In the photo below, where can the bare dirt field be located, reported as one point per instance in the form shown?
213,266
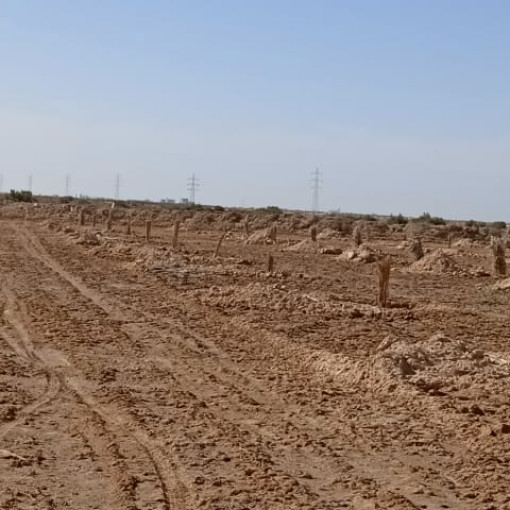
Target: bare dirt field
172,374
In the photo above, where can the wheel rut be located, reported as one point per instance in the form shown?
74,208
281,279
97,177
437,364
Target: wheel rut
112,437
195,345
15,335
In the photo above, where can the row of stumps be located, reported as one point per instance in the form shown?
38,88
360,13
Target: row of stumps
148,226
383,265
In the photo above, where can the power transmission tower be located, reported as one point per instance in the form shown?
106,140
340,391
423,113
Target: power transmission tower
117,187
68,184
193,186
316,186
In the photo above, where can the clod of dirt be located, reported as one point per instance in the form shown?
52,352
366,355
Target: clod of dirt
6,454
502,284
328,233
362,254
466,242
331,250
89,239
304,246
260,237
438,261
479,272
8,413
152,259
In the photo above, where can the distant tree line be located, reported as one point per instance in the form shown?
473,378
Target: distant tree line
21,196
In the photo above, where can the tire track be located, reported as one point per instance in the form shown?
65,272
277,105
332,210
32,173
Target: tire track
22,344
104,432
240,415
196,345
174,493
18,340
119,422
227,419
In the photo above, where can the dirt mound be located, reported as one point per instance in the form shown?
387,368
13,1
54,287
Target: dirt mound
438,261
263,236
331,250
362,254
304,246
153,259
429,365
328,233
278,297
466,242
90,239
439,362
202,220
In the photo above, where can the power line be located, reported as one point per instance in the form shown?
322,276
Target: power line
193,186
316,186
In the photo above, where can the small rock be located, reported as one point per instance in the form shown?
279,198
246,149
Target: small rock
199,480
477,411
487,431
355,313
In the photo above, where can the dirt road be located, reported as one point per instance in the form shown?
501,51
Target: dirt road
121,389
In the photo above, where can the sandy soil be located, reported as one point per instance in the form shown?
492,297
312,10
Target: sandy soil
136,376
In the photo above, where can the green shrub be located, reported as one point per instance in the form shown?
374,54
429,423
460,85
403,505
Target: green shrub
498,225
272,209
433,220
21,196
397,220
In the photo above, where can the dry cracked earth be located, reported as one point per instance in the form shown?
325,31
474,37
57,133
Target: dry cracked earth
136,377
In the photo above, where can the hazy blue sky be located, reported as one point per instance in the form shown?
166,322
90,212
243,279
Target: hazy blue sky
404,105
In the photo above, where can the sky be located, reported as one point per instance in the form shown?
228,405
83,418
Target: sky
403,105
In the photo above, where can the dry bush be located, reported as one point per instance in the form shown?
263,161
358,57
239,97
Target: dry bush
313,233
498,250
109,220
218,246
368,232
148,229
416,248
82,217
247,228
384,269
357,238
270,263
175,235
271,233
128,227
